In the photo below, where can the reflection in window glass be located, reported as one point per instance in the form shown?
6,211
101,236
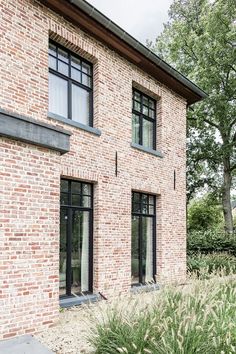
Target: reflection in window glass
144,120
75,239
143,238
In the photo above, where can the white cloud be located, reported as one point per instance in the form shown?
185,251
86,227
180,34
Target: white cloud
142,19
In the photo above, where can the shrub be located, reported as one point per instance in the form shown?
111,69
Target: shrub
203,265
200,319
204,214
210,241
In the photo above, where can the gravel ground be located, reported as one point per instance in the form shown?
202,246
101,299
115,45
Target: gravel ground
75,325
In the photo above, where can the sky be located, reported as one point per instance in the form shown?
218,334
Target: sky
142,19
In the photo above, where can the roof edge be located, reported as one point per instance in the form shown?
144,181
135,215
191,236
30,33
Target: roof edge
92,21
125,36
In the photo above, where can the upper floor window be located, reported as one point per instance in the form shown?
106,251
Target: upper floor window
70,85
144,120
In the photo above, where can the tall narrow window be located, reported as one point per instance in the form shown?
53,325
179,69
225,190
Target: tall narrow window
75,238
143,245
70,85
144,120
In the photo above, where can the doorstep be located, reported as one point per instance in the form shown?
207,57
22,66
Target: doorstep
26,344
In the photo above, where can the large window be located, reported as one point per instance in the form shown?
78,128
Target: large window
75,238
144,120
143,245
70,85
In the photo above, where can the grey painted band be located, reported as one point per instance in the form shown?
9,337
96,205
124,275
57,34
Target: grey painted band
29,130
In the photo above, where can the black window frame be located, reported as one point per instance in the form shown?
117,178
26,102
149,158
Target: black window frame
69,208
143,116
140,214
71,81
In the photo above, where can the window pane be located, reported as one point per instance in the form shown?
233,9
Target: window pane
147,249
63,255
64,199
76,63
145,110
86,80
52,62
145,198
80,105
135,250
64,185
145,208
151,104
136,197
86,189
52,49
137,96
62,55
76,200
137,106
86,202
151,199
151,209
58,95
76,74
136,208
135,129
76,187
145,100
80,252
151,113
86,68
148,134
63,68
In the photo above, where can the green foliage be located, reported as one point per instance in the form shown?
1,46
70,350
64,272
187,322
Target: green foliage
200,319
210,241
199,40
204,264
204,214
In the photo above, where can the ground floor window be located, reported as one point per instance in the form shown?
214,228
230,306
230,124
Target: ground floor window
76,238
143,245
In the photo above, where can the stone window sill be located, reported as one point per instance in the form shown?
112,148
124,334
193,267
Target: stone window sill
137,289
78,300
147,150
87,128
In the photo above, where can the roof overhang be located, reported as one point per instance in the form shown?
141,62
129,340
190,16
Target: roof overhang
90,20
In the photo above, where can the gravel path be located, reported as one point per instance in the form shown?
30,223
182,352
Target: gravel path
75,325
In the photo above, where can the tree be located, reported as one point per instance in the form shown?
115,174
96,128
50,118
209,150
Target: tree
204,214
200,41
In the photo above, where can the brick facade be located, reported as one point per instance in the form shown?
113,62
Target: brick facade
30,175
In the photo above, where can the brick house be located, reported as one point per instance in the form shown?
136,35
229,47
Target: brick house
92,163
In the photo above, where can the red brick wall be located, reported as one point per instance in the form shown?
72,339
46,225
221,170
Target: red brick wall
29,187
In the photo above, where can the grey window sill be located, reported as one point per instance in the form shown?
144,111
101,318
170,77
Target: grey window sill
147,150
144,288
78,300
75,124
